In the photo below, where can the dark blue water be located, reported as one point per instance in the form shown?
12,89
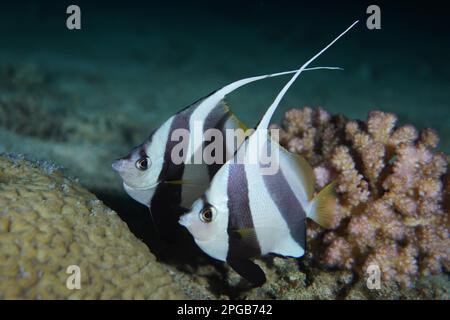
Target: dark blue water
135,63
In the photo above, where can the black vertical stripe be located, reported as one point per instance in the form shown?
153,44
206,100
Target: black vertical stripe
288,205
216,119
169,195
165,203
240,216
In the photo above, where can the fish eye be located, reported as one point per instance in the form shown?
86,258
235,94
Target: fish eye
143,163
206,215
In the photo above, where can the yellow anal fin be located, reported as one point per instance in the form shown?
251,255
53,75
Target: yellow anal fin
324,207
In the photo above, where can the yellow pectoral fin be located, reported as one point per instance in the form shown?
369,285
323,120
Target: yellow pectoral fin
247,235
179,182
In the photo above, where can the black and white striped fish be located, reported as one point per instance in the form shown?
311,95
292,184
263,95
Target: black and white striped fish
246,212
151,177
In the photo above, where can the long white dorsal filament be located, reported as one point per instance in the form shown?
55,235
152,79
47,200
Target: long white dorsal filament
221,93
264,123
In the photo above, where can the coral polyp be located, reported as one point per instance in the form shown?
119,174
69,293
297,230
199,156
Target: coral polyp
393,187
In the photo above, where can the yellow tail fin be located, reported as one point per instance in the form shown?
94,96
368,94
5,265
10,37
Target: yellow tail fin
323,209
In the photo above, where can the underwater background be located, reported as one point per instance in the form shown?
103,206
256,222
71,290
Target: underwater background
82,98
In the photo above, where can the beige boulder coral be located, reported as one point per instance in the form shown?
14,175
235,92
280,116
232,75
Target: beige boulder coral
49,222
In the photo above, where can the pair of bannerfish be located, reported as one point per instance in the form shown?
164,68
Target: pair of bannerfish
234,211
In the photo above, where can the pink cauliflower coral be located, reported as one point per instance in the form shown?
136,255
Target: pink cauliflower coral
393,189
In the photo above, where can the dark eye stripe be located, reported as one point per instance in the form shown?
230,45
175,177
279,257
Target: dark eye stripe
142,153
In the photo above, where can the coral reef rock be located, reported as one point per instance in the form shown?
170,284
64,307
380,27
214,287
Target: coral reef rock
393,189
49,222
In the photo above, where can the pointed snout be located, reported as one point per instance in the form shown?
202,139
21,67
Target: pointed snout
118,165
184,220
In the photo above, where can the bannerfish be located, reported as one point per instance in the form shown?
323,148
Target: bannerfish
151,177
246,213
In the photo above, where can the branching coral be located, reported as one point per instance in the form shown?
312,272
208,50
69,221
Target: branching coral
393,189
